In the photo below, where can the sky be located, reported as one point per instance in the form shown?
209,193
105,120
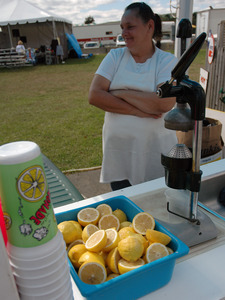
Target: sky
111,10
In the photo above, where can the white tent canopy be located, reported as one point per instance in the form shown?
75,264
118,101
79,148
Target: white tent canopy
21,12
36,27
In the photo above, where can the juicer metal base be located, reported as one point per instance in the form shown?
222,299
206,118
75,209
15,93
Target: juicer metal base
192,233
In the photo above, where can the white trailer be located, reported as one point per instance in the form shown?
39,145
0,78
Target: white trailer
106,33
208,20
168,31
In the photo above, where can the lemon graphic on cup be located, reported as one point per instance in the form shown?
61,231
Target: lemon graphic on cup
7,220
31,184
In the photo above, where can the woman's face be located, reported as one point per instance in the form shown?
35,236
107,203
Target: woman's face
135,32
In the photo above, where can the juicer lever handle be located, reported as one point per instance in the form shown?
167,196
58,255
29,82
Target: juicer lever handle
188,57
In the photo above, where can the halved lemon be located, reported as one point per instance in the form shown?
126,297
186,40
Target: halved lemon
109,221
111,276
104,209
143,221
74,243
169,250
88,215
92,273
31,184
156,251
112,239
155,236
125,266
88,231
113,259
97,241
125,224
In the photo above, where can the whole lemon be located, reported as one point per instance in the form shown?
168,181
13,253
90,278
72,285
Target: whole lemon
143,240
120,215
130,248
75,253
125,232
70,231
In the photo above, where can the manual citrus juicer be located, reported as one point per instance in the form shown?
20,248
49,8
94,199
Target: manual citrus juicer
182,168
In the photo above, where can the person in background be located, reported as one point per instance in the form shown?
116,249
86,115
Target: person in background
59,52
20,49
30,56
125,86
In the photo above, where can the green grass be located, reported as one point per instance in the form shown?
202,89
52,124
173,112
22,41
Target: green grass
199,62
49,105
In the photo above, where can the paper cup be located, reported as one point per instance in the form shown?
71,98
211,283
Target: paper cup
26,204
38,264
35,253
45,279
66,293
38,272
47,291
39,261
50,282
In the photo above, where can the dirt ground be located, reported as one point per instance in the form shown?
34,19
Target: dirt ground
87,183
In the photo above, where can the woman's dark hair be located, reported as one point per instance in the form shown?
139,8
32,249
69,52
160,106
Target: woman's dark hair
158,31
158,26
143,11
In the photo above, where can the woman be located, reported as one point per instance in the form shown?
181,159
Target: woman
20,49
125,86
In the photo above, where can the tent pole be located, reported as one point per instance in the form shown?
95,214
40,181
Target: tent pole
10,37
54,30
184,10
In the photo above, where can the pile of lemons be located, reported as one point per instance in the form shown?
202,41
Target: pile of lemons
103,244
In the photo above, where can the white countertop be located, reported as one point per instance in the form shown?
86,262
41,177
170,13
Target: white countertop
200,275
197,277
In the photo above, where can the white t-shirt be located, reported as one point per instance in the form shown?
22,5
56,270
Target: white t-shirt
20,49
132,146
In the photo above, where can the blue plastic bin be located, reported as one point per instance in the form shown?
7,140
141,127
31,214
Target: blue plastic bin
136,283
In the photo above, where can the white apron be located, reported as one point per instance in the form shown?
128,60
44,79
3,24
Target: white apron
132,146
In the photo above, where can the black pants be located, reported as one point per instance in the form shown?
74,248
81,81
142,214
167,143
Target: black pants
118,185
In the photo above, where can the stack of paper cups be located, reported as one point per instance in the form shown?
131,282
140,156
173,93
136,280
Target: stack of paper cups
36,249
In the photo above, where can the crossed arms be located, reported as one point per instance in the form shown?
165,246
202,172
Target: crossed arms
128,102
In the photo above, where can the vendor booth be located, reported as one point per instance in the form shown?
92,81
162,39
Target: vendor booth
20,20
